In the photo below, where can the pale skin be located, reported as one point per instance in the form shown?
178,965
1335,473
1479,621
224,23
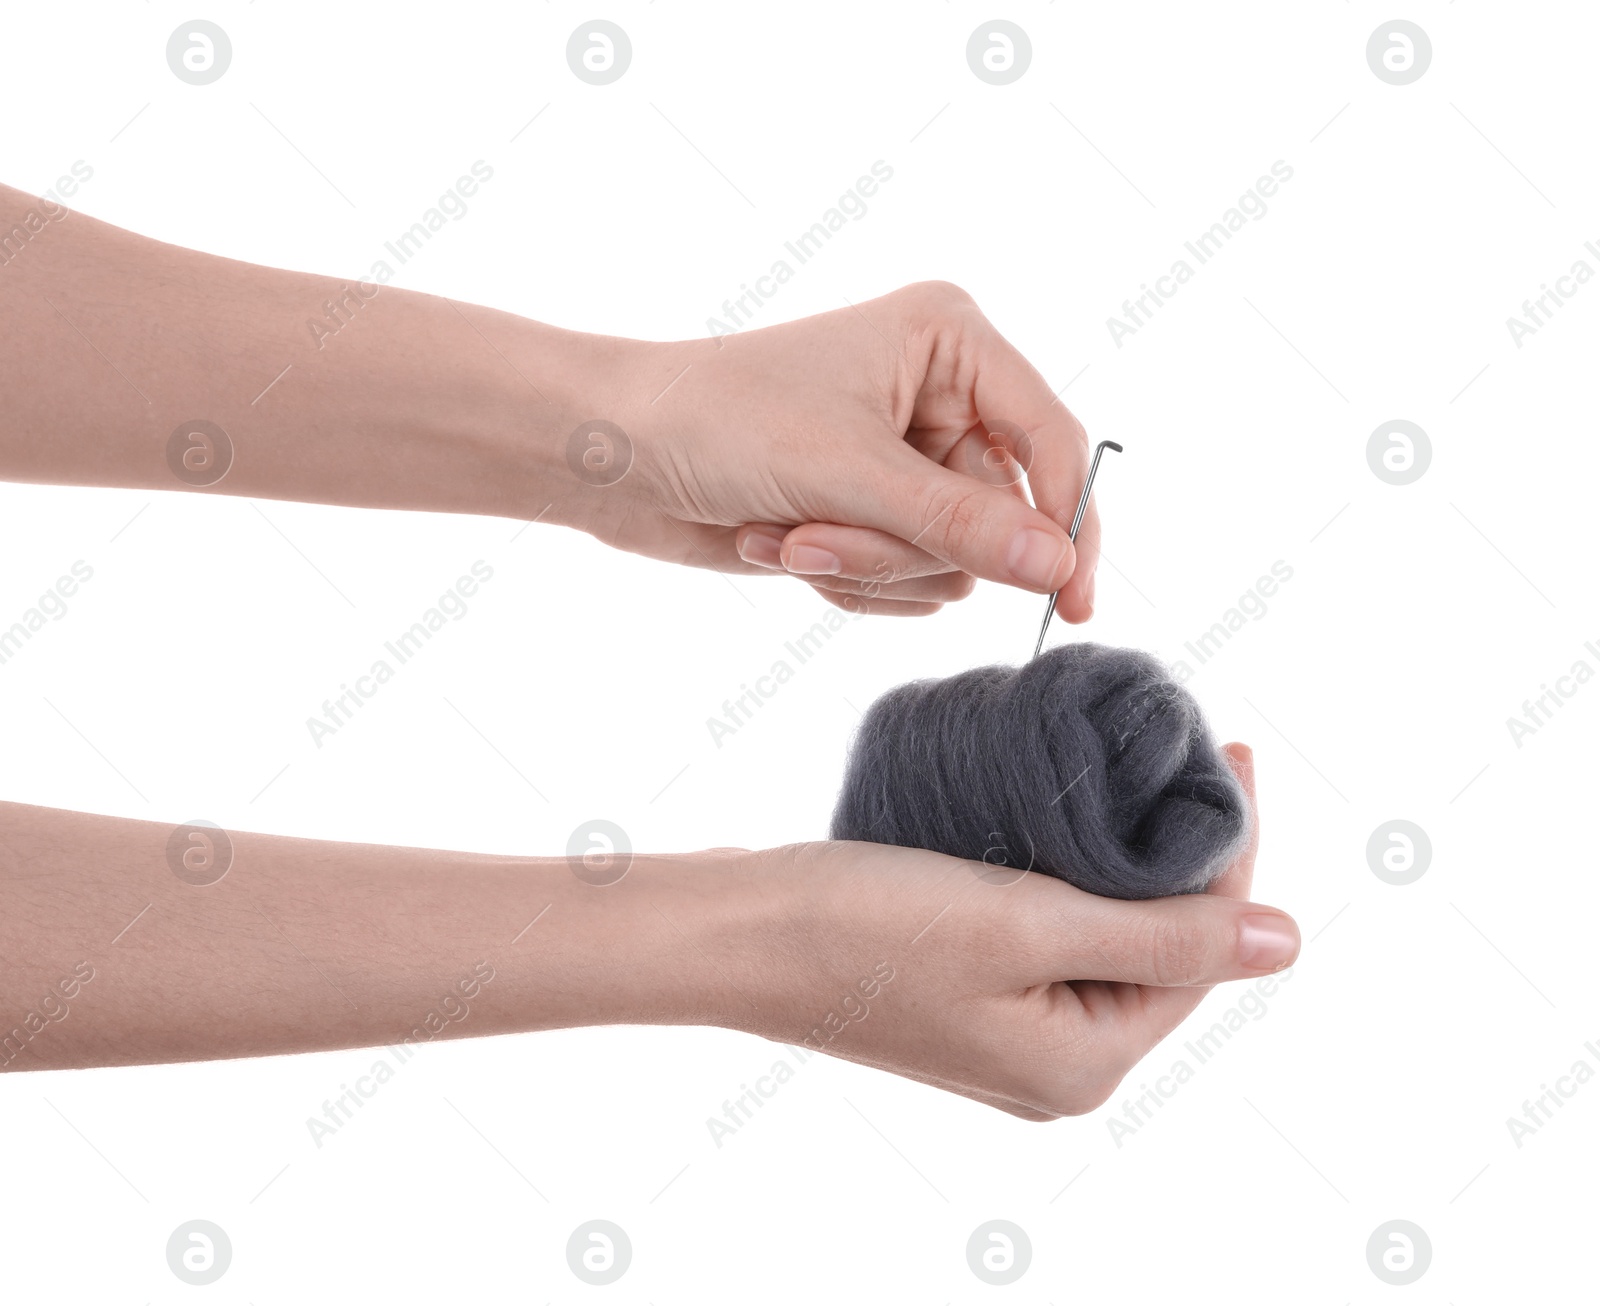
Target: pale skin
879,453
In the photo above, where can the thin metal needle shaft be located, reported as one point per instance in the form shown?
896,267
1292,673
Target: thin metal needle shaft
1072,533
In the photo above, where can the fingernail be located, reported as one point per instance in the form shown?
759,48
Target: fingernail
1267,943
1035,557
761,549
809,560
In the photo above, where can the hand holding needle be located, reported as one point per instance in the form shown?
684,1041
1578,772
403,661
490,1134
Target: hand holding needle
1072,533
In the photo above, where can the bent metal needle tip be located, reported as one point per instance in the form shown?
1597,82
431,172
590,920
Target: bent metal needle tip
1072,533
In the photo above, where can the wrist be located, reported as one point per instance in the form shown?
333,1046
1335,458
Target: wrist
680,939
556,436
711,926
749,938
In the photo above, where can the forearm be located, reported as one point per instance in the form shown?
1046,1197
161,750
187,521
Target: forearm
328,390
108,957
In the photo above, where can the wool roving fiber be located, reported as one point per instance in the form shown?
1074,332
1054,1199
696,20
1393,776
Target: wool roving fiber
1088,763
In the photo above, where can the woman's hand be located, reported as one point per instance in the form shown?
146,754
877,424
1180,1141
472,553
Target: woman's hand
1008,987
878,452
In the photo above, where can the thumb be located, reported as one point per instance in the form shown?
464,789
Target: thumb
1184,942
978,528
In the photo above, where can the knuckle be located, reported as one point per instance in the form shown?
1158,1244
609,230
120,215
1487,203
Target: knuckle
1076,1091
944,293
858,605
1177,952
1071,1076
960,585
1092,1092
960,518
887,574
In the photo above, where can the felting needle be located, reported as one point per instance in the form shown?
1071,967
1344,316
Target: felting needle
1072,534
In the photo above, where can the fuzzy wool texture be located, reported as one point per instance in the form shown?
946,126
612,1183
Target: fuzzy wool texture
1089,763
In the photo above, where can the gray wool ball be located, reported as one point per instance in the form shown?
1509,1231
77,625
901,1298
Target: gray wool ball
1088,763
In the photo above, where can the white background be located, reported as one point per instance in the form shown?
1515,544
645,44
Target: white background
1378,1082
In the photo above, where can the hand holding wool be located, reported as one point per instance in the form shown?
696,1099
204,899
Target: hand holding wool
1089,763
1019,991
